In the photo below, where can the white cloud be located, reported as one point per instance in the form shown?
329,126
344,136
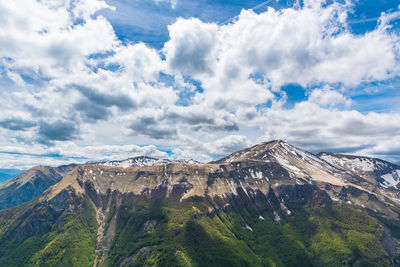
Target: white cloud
327,97
211,90
315,127
209,151
137,61
16,78
43,38
304,46
191,49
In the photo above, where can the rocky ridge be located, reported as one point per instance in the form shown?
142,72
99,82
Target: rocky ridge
256,169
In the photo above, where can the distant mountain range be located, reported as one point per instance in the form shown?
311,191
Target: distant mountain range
6,174
268,205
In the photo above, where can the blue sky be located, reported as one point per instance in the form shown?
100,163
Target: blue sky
92,79
147,21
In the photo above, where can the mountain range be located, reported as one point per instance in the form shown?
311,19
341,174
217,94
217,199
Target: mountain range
268,205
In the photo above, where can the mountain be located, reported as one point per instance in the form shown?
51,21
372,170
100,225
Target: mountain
269,205
300,166
30,184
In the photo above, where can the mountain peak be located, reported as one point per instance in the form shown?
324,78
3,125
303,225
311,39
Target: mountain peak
263,152
301,165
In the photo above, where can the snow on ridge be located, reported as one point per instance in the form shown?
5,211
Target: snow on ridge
299,161
140,162
354,163
390,174
303,154
266,150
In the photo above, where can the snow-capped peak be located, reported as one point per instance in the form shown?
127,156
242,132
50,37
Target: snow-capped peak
299,163
275,149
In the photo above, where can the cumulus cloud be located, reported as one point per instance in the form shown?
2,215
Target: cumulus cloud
91,112
152,127
199,118
212,89
191,48
329,98
209,151
106,99
304,46
42,37
137,61
60,130
16,124
315,127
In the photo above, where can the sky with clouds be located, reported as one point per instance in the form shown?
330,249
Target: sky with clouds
86,80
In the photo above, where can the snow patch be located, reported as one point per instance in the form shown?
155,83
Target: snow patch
277,218
354,164
391,179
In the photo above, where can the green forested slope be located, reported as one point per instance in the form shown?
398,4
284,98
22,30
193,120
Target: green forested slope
48,234
154,232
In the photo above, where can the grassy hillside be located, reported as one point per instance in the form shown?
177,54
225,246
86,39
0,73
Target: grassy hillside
187,235
62,232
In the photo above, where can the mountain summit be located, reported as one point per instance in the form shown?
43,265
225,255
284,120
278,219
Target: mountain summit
271,204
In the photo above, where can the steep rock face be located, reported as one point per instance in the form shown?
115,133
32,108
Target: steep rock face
60,231
172,180
36,224
30,184
306,194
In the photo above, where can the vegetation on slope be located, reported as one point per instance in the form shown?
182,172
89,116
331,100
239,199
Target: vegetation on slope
150,232
37,235
187,235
